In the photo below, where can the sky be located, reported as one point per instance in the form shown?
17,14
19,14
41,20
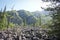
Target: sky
29,5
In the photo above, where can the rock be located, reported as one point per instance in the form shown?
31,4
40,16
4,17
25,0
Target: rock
29,33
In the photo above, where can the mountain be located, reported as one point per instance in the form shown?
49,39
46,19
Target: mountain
43,15
27,16
14,18
37,13
21,16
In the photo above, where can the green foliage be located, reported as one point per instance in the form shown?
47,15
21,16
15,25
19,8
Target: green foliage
4,21
14,16
11,25
24,22
56,21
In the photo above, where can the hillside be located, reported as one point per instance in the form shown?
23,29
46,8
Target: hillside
29,18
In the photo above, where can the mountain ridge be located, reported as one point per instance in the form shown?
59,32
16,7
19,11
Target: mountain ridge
23,15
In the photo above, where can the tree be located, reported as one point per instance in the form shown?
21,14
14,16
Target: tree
24,22
3,19
55,17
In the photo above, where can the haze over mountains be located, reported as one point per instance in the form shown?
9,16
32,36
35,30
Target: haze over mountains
28,17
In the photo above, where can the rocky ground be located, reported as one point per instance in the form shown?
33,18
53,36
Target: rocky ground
29,33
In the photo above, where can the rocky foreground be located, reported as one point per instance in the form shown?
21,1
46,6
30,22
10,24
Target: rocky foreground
33,33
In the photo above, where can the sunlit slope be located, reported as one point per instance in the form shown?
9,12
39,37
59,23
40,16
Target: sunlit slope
18,17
